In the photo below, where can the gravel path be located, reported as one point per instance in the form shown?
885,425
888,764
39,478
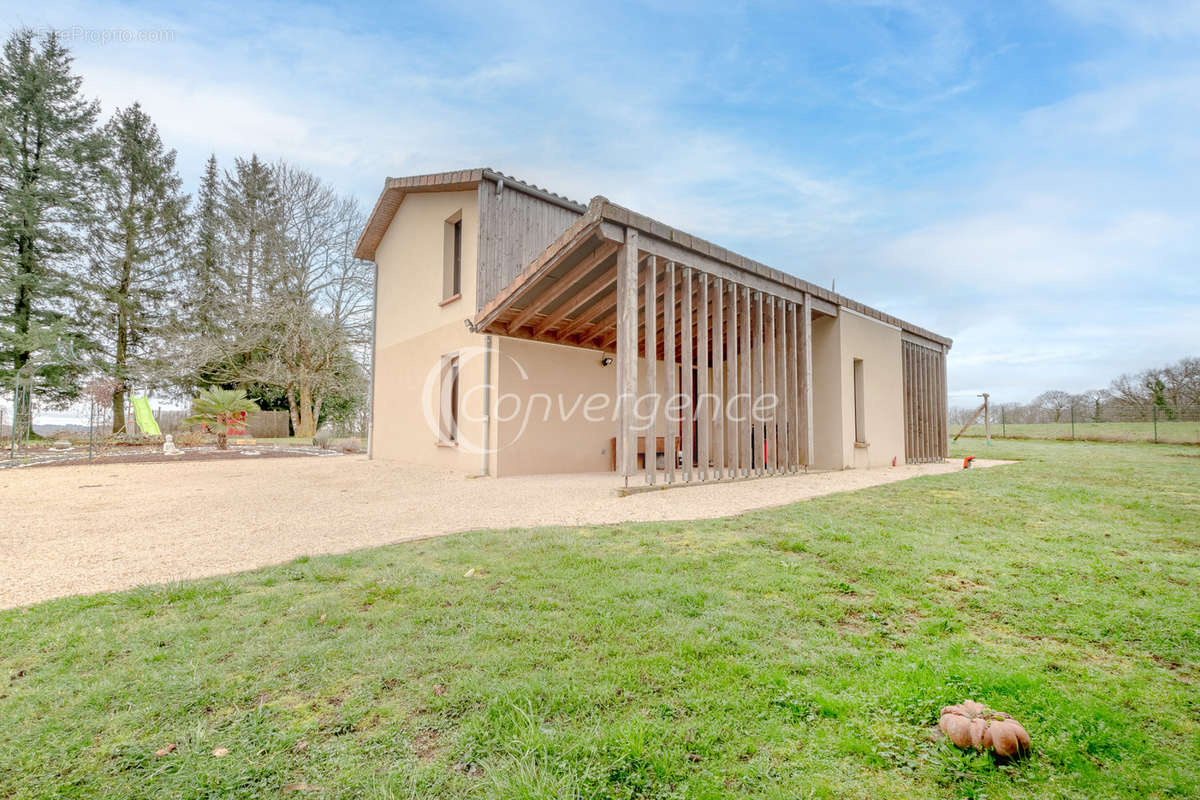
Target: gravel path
84,529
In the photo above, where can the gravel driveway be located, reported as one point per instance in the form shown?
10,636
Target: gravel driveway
84,529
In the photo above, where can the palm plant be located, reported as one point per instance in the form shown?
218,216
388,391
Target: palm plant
221,410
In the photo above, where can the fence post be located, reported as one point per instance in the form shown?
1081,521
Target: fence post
1003,429
1155,409
1072,423
12,433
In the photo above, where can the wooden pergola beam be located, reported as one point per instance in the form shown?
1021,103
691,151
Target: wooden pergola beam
687,344
731,380
718,376
703,411
582,295
672,369
651,345
806,377
627,285
745,449
561,286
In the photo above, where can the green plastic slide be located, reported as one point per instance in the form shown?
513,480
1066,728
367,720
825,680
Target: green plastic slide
145,419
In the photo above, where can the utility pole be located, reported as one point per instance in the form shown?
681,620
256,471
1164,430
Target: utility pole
987,419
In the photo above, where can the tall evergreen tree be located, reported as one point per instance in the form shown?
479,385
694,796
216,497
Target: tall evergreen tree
49,160
208,281
250,202
136,248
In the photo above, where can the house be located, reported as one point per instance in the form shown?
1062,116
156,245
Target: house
519,332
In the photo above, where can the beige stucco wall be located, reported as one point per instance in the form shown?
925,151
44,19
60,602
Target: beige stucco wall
409,258
837,341
545,422
828,450
878,345
555,409
413,331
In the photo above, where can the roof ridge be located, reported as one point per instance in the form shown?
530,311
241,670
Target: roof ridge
534,186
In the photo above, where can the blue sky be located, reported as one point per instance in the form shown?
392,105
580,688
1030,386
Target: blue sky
1019,176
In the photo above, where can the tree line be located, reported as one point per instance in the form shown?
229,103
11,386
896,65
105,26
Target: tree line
1168,392
112,276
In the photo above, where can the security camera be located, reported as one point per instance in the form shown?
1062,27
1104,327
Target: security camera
606,361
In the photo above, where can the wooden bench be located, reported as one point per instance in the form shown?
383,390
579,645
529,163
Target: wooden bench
659,450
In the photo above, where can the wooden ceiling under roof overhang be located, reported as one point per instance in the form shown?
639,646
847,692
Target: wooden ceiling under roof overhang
568,295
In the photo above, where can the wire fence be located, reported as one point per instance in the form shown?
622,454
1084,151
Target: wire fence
86,428
1162,422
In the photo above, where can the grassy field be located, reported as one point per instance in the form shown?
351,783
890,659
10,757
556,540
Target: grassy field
1168,432
793,653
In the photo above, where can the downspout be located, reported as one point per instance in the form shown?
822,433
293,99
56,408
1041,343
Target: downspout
487,405
371,380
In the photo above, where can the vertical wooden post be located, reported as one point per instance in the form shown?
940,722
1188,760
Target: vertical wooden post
627,353
651,348
687,344
905,382
770,389
746,386
928,404
925,404
733,426
943,401
806,375
718,377
987,420
703,401
756,404
919,428
932,392
920,403
915,450
670,437
781,380
793,390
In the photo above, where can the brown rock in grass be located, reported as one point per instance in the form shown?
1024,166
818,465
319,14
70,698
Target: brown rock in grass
957,729
1009,739
972,724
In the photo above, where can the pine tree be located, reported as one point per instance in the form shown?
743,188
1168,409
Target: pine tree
209,280
135,248
49,160
250,202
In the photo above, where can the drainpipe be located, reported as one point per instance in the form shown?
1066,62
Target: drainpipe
371,381
487,404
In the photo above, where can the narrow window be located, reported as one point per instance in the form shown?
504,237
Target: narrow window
448,433
452,258
860,414
457,257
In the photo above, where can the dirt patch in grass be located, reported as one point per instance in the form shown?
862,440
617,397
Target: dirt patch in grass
426,745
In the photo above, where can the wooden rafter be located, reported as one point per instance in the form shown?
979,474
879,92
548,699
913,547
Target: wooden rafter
561,286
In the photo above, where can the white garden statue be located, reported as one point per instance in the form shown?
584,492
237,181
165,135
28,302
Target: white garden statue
169,447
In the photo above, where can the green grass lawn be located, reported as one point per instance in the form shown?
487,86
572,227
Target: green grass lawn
1168,431
792,653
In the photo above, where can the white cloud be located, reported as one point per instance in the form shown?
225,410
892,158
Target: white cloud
1163,19
1037,246
1155,113
223,117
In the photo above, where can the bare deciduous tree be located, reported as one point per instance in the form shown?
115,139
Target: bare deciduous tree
310,313
1055,402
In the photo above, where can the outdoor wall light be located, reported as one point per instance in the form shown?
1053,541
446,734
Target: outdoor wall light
606,361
